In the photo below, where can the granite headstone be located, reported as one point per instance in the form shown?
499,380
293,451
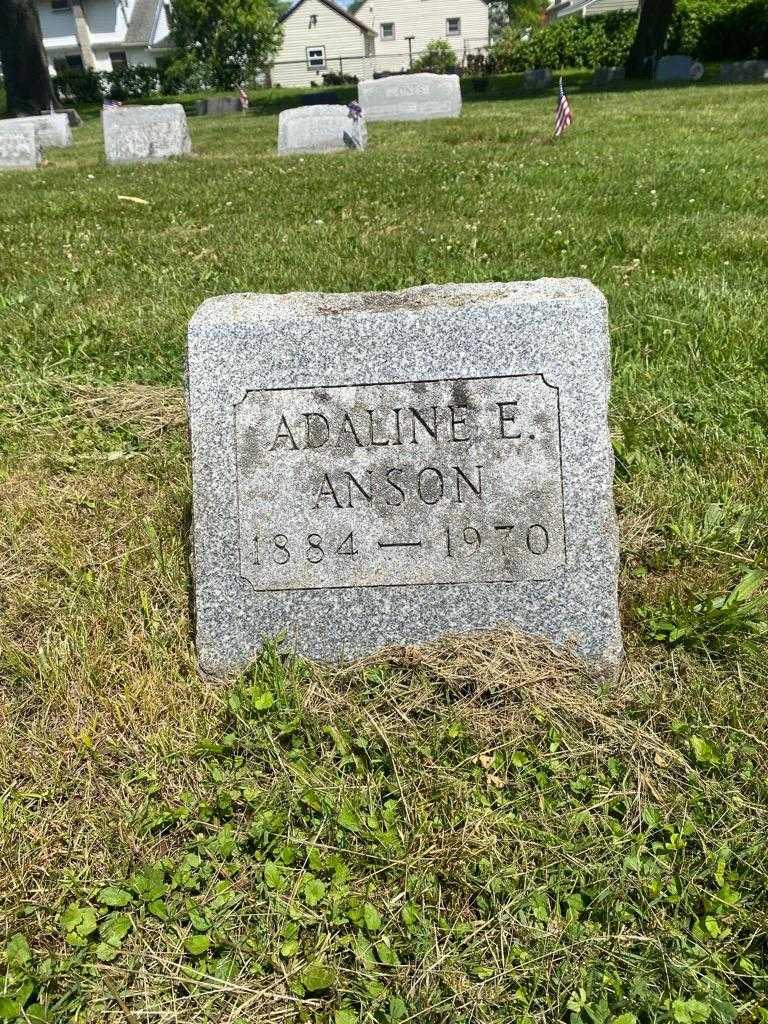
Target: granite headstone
675,67
537,78
319,129
75,121
607,76
19,146
139,134
745,71
52,129
420,97
218,105
385,467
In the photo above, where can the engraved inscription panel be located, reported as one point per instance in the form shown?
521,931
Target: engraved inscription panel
448,481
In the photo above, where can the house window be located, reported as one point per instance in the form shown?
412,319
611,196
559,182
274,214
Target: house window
73,62
59,5
453,26
315,57
387,29
119,59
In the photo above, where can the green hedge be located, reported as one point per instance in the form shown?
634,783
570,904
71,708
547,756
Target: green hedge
709,30
92,86
719,30
569,43
132,82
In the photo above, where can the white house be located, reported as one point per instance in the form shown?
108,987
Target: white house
404,27
103,34
586,8
318,37
373,35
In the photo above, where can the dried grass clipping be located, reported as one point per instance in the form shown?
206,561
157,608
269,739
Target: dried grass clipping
146,409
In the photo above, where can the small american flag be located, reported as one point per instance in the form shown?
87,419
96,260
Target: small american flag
563,116
243,99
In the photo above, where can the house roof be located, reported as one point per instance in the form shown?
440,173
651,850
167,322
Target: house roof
139,31
566,8
366,29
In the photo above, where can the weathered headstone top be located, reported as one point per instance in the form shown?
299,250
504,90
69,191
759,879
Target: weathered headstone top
386,467
140,134
537,78
674,68
319,129
19,146
745,71
420,97
608,75
217,106
52,129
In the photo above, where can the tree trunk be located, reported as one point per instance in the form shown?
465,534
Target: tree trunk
652,28
25,66
82,34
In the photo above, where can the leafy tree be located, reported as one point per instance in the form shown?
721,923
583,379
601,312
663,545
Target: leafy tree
652,27
232,40
25,67
519,14
438,56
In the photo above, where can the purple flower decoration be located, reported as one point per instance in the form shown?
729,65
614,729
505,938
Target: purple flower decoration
355,111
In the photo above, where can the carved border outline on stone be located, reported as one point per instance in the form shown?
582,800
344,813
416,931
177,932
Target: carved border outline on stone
374,586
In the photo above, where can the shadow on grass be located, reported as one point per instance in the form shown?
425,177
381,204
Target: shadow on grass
473,90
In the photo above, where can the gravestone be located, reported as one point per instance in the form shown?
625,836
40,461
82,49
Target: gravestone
386,467
674,68
75,121
537,78
52,129
19,146
744,71
219,105
419,97
141,134
320,129
607,76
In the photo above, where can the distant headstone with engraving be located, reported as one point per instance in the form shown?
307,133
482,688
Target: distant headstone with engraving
535,79
410,463
319,129
218,105
608,76
745,71
674,68
52,129
19,146
145,134
420,97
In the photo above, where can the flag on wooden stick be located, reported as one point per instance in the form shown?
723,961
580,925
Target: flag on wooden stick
563,116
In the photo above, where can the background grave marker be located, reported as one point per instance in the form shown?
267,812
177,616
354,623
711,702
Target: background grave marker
52,129
418,97
144,134
319,129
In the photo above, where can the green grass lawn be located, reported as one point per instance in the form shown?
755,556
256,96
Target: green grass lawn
469,832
